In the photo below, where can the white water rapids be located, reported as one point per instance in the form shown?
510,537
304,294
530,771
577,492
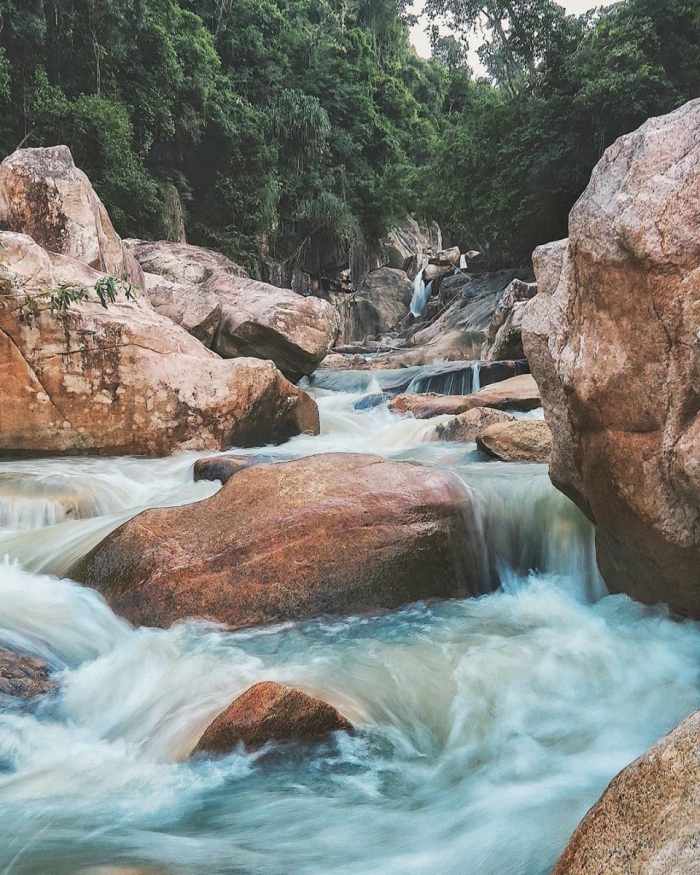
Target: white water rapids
487,727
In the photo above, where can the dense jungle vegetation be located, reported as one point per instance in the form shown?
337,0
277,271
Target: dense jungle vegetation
294,120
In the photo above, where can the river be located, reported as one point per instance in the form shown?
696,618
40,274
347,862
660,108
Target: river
486,727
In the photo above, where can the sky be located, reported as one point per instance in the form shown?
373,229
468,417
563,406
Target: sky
422,43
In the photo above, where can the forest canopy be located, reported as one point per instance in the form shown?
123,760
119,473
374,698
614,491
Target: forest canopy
281,122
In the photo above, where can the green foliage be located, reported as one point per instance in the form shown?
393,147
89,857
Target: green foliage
310,123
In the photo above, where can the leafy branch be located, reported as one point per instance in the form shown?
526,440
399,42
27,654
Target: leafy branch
60,299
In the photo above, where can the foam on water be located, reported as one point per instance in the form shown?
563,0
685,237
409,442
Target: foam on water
486,727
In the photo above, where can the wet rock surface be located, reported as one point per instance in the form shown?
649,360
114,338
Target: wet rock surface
23,677
612,341
270,712
335,533
466,426
525,440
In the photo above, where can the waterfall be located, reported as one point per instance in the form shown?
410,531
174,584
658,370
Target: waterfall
486,727
421,291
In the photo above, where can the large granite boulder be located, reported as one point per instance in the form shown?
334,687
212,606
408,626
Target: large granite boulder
466,426
43,194
646,822
122,379
214,299
378,306
270,712
410,243
504,338
336,533
612,341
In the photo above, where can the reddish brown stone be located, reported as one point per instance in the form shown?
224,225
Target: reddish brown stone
23,676
271,712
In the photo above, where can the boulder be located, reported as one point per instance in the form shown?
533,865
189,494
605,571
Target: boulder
466,426
378,306
448,256
193,308
504,338
222,467
409,244
122,379
611,339
336,533
525,440
265,322
269,712
646,822
181,262
23,676
44,195
516,393
214,299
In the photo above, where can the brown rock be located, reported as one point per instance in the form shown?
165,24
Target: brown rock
334,533
525,440
504,338
610,339
124,379
516,393
44,195
646,822
466,426
378,306
262,321
24,676
270,712
222,467
191,307
182,263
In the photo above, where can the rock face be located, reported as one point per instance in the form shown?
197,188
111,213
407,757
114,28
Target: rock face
612,341
344,533
216,301
516,393
466,426
124,379
504,338
525,440
44,195
381,302
410,243
265,322
23,676
270,712
646,822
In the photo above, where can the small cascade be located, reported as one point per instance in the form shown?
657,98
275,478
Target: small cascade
421,291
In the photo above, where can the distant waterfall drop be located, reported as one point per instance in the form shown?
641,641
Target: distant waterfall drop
421,292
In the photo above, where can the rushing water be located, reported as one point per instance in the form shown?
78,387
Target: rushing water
486,727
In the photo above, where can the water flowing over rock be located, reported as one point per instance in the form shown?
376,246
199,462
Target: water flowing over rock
215,300
344,533
646,822
23,677
270,712
466,426
504,338
124,379
521,441
516,393
612,341
43,194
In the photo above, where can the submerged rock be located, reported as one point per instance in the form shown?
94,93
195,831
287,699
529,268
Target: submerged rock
216,301
270,712
222,467
612,341
466,426
646,822
525,440
44,195
23,676
336,533
123,380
